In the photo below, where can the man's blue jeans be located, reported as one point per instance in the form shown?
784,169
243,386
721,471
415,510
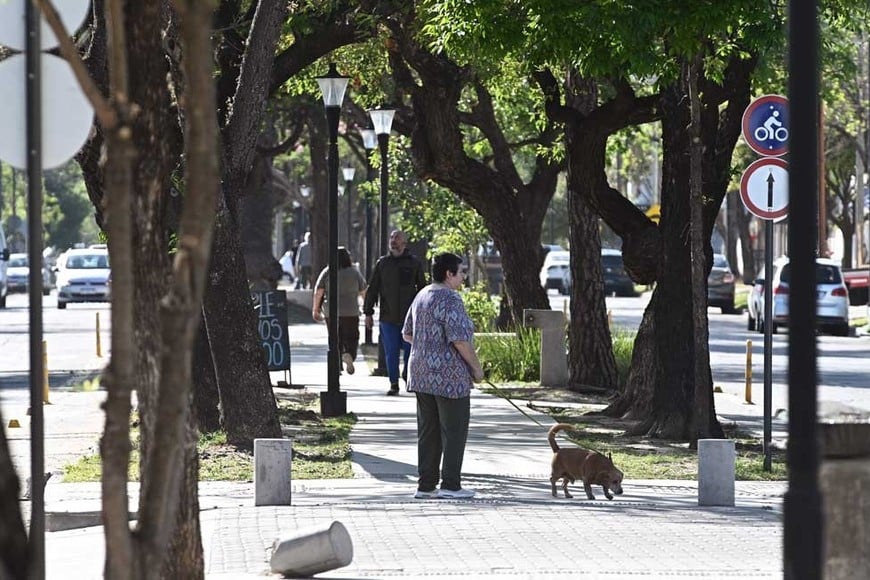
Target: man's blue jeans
391,338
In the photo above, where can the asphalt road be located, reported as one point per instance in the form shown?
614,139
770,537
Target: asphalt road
843,362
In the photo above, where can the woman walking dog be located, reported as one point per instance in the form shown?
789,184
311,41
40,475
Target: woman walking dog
442,369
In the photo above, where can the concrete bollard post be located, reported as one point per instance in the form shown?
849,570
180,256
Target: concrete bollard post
554,358
311,551
272,463
716,472
844,481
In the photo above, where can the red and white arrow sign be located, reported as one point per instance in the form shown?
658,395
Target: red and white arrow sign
764,188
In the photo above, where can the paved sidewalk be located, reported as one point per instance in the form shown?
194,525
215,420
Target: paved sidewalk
513,528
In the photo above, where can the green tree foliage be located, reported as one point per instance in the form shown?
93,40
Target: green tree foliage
68,211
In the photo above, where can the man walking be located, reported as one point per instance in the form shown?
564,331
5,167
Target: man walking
303,263
396,279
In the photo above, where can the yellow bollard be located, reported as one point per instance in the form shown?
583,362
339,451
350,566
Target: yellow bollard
99,347
45,400
748,391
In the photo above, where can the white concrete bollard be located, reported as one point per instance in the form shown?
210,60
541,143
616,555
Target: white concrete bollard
311,551
272,462
716,472
554,358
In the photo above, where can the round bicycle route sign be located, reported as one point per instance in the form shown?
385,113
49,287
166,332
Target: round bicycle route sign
766,125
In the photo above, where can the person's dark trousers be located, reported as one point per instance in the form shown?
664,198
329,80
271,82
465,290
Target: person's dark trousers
348,335
391,338
442,430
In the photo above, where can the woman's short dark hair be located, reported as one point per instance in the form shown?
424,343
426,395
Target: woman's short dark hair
344,260
443,263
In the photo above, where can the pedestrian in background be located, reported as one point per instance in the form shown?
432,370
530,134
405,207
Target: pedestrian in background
303,263
351,286
443,367
395,280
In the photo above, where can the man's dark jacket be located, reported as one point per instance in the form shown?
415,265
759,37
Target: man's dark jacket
394,283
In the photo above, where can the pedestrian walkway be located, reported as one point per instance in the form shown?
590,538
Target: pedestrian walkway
513,528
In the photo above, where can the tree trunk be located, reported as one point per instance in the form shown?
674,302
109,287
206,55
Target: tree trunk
590,353
257,210
701,261
206,398
185,543
248,407
319,209
513,210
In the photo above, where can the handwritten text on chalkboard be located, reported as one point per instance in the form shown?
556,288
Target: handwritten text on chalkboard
271,308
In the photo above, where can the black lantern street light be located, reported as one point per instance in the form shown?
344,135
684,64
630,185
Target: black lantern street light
382,119
370,141
332,401
348,172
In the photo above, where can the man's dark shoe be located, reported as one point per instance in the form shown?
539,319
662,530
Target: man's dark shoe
394,390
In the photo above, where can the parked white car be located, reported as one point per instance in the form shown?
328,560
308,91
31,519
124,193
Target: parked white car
556,263
18,275
83,276
832,297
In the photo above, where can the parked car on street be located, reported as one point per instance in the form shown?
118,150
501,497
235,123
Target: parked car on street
18,275
616,280
556,263
83,276
832,297
720,285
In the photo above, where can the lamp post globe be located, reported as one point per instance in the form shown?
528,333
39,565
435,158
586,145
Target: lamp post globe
332,401
382,120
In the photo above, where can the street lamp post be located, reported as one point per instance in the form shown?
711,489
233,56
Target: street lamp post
348,182
332,401
370,141
382,119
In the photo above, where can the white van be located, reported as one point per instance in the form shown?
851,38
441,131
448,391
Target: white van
4,264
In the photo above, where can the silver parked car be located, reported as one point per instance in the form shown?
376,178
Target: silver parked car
83,276
832,297
19,274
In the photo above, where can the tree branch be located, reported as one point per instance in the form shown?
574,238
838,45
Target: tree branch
105,113
249,101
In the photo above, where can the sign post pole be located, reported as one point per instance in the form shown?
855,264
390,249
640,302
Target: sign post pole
764,191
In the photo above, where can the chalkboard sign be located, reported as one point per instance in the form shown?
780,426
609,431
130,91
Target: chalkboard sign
271,309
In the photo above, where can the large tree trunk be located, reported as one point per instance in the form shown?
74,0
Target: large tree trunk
703,416
512,210
257,211
206,398
590,353
248,407
319,208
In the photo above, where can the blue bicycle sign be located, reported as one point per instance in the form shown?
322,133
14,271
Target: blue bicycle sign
765,125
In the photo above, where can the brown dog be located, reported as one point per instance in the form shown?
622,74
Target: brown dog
591,467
